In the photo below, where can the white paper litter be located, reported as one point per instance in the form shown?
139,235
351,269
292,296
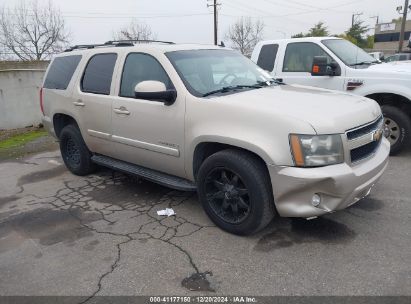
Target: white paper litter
54,162
167,211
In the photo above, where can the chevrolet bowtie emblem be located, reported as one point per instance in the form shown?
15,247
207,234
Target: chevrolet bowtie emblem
376,136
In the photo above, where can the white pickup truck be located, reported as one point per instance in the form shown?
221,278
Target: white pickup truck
337,64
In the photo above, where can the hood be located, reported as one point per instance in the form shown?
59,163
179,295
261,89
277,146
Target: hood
403,67
326,111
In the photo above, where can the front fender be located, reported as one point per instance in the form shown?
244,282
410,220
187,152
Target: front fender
385,89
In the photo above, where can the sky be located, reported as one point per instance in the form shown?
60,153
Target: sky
191,21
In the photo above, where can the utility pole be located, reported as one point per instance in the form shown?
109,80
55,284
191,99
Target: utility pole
353,18
404,20
377,19
214,5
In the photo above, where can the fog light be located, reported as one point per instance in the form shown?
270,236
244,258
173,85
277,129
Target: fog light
315,200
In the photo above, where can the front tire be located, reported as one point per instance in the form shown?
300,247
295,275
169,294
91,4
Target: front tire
76,155
397,128
235,190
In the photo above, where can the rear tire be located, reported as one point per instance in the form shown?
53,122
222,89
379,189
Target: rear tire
398,126
235,190
76,155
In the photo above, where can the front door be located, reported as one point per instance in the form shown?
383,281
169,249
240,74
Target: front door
297,64
145,132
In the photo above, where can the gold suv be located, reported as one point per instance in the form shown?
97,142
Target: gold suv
207,119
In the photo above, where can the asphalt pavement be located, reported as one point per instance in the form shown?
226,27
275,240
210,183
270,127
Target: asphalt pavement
62,234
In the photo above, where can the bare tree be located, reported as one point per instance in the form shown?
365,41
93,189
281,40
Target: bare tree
32,32
135,30
244,34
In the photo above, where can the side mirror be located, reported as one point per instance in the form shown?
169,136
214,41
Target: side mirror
320,67
156,91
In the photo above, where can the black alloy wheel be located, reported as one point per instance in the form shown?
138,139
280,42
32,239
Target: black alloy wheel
227,195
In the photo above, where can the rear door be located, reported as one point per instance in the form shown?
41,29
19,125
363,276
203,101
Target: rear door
93,102
297,63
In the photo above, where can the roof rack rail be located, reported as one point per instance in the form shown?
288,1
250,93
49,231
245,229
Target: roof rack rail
125,42
83,46
131,41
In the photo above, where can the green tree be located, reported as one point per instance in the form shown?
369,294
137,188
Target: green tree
370,42
318,30
357,31
299,35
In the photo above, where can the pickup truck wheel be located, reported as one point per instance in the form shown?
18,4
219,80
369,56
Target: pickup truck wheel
74,151
397,128
235,190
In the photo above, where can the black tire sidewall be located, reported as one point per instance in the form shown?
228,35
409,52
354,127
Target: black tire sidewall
256,182
85,166
404,124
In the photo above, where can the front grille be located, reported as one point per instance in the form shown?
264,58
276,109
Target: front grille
362,152
358,132
363,141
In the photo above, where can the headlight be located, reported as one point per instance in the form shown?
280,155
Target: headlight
316,150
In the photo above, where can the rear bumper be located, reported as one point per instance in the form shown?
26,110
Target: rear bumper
48,125
339,186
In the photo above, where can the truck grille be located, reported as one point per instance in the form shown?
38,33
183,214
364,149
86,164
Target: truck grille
365,129
362,152
365,140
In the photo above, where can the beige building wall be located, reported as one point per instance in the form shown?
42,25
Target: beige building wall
391,47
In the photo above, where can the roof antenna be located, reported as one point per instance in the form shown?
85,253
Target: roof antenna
222,44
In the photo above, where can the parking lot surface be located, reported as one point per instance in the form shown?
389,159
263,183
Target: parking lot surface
62,234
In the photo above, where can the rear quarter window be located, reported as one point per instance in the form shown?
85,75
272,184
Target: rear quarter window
266,58
98,74
60,72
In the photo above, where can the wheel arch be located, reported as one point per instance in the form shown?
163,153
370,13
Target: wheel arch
205,149
392,99
60,120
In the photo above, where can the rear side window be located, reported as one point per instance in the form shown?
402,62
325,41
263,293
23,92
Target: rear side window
61,71
266,59
98,74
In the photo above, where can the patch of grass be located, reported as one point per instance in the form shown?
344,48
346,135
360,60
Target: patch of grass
21,139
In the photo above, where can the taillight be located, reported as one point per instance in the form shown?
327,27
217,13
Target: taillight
41,100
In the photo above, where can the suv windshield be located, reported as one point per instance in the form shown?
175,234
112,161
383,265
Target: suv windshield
349,53
206,72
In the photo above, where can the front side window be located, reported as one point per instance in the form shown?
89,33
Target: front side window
299,56
266,58
140,67
61,71
204,71
98,74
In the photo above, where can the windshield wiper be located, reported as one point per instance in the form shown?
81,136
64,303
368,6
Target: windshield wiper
268,82
233,88
364,63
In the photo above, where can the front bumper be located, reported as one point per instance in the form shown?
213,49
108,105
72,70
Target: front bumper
338,185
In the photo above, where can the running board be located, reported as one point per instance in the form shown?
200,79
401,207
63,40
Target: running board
163,179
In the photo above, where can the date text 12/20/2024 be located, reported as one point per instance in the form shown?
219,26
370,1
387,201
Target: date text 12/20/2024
204,299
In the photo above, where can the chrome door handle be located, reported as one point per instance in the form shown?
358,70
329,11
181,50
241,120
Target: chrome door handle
121,110
79,103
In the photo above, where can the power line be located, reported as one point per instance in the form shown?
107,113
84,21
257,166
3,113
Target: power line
113,16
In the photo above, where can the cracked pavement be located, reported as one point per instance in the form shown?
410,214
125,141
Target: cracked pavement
62,234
